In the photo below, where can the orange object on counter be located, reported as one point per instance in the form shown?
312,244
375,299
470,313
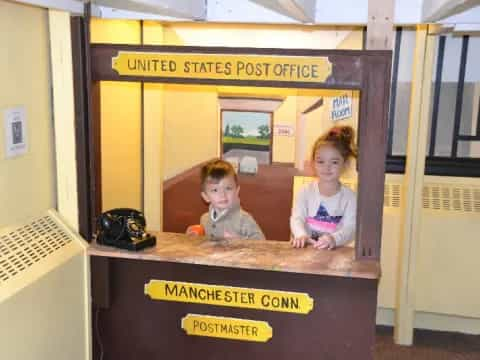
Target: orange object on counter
197,229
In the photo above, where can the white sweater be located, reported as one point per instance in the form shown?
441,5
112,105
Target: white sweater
314,213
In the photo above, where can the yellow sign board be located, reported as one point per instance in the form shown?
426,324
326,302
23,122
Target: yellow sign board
223,66
271,300
226,327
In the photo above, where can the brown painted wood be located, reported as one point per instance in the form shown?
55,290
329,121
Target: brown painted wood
81,128
93,125
368,71
346,72
271,210
193,171
372,153
341,325
100,284
95,150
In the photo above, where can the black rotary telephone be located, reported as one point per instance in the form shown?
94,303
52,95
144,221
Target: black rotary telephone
124,228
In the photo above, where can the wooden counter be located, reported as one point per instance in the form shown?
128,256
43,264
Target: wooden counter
341,324
249,254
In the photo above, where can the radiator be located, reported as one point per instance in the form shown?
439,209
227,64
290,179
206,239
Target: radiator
449,246
44,298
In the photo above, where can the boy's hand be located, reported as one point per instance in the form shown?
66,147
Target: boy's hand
326,241
302,241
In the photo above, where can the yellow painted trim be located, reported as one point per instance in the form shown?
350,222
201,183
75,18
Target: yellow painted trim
227,328
153,132
270,300
413,183
226,66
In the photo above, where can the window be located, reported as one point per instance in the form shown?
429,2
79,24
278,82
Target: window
453,147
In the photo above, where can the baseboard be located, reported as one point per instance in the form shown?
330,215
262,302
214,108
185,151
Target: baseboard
436,322
285,164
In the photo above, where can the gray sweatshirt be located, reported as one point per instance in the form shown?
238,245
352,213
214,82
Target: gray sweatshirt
234,220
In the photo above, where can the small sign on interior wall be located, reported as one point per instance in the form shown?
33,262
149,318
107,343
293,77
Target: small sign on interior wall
341,107
15,131
284,130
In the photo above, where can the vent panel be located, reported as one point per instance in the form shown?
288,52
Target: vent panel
451,197
392,195
23,247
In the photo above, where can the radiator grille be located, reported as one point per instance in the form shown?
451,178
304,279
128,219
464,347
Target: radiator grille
24,246
449,197
392,195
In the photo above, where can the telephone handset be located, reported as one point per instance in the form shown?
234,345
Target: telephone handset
124,228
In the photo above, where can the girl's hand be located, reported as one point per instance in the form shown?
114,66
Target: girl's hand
325,241
301,241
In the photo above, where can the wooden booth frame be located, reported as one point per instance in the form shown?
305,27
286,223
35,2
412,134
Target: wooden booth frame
364,70
344,318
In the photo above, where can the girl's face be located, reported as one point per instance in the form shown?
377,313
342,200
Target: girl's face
328,163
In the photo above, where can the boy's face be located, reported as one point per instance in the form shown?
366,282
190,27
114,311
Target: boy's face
221,194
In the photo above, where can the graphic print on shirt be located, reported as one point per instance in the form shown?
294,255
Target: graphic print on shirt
322,222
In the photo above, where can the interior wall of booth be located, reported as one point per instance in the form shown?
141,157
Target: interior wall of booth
120,113
238,35
189,114
27,182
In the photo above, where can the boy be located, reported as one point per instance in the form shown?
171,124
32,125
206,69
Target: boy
225,218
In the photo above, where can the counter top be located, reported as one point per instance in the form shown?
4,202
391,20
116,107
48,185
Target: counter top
248,254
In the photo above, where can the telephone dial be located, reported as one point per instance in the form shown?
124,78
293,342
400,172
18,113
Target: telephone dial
124,228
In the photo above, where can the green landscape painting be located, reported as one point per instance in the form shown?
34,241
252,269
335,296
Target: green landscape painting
246,133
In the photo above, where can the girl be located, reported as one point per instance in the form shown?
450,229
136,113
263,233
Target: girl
324,211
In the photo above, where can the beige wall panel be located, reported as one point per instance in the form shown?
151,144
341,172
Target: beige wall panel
121,151
46,319
115,31
27,182
64,115
191,128
284,146
254,35
120,124
353,41
389,258
448,263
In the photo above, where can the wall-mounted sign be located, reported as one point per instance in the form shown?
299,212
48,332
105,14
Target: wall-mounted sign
15,131
272,300
222,66
283,130
226,327
341,107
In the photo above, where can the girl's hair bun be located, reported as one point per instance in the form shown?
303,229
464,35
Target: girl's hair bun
342,137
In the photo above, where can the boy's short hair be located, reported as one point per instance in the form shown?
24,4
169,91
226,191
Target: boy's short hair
217,170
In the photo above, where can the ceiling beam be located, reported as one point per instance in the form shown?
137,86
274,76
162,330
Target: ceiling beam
380,28
72,6
183,9
436,10
300,10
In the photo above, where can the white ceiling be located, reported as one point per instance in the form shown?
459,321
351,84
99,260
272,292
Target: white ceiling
460,15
